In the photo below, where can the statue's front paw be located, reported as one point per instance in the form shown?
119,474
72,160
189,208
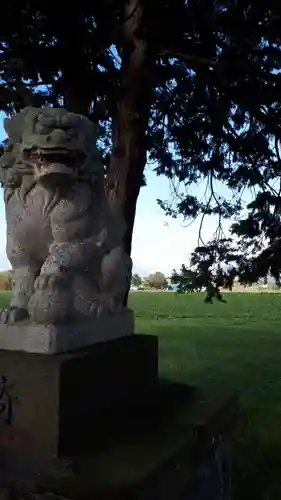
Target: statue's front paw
104,304
50,281
52,300
12,315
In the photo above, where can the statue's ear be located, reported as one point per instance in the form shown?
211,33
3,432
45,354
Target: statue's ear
96,127
13,126
8,126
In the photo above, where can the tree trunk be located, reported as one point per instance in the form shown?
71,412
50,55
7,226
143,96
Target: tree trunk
128,159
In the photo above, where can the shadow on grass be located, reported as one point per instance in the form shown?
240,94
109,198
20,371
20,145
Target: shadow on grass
257,465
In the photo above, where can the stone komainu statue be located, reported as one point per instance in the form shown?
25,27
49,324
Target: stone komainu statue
63,240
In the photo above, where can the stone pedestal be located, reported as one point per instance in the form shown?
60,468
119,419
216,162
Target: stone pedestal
60,405
51,339
98,424
176,446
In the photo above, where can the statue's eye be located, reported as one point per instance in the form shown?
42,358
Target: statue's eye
72,132
41,128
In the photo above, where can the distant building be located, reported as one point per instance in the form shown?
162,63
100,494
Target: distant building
173,287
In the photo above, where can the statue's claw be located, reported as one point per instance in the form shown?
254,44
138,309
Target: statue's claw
12,315
48,281
52,300
105,303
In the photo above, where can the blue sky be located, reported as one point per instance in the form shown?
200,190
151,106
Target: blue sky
160,243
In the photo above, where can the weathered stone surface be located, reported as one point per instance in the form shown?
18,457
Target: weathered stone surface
63,240
52,339
177,447
56,405
5,494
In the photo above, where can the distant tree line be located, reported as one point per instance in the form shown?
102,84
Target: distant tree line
5,281
155,280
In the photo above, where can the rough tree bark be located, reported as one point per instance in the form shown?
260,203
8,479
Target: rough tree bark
128,158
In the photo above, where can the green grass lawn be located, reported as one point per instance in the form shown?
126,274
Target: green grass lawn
236,346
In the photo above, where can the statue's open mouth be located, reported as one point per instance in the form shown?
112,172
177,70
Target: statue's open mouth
45,160
54,167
